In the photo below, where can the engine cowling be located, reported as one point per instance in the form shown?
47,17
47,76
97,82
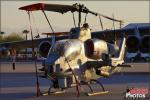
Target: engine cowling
145,44
44,48
95,48
133,44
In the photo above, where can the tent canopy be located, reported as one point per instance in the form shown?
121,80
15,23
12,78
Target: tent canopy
63,9
49,7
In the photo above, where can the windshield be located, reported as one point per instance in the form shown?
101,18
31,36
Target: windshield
57,48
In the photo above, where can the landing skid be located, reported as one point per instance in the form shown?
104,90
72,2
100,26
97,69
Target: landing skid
92,93
97,93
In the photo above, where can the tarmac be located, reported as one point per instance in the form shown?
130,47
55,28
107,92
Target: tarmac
20,84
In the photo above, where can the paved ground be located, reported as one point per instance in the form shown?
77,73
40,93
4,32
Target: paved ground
20,84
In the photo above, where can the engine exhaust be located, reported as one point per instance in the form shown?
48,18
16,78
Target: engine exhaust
133,44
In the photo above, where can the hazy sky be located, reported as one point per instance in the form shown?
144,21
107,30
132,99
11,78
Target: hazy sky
16,20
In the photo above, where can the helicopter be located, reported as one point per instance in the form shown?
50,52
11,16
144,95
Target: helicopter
77,59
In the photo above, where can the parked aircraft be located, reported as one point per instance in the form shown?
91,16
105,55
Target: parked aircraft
138,39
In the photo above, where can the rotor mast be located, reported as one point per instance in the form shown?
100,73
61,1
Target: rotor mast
80,10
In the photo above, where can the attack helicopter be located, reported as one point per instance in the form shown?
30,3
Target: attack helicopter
78,59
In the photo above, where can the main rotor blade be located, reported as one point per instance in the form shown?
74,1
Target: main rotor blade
110,18
95,13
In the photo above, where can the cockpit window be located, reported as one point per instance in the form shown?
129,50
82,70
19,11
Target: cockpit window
56,49
67,48
74,33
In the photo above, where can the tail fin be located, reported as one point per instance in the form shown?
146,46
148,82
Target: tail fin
122,50
120,59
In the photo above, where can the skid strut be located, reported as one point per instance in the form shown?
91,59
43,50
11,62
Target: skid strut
97,93
91,93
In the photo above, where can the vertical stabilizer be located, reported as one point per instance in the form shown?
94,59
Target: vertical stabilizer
120,59
122,50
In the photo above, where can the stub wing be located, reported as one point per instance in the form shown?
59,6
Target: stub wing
28,43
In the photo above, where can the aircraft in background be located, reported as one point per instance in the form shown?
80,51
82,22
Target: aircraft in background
78,58
138,39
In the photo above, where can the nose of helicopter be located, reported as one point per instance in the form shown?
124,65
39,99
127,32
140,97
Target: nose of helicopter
50,63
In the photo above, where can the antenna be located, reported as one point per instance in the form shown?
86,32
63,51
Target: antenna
114,31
